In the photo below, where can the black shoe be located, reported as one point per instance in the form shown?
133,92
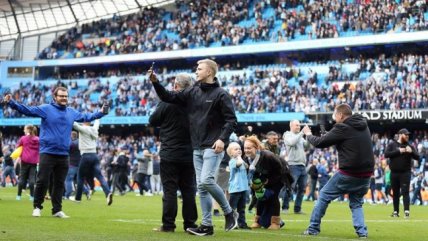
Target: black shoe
395,215
244,226
109,199
163,229
231,221
362,236
299,212
201,230
190,226
216,213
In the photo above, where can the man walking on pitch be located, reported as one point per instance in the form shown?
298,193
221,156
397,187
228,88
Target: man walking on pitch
89,166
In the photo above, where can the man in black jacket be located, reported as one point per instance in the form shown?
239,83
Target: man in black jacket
212,120
401,154
176,167
352,138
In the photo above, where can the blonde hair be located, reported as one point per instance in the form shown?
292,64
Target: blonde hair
256,142
229,148
211,64
32,130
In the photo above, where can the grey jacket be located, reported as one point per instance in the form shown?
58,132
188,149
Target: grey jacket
88,136
295,145
145,165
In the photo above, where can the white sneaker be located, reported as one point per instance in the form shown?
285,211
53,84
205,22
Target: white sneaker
60,214
37,212
148,194
73,198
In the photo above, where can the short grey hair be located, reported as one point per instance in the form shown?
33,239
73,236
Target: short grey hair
183,80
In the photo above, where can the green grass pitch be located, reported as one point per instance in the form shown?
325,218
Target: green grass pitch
133,218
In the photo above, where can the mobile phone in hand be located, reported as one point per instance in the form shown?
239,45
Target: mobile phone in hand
106,107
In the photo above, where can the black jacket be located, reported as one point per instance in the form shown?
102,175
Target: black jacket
313,172
400,162
210,111
353,142
269,168
174,132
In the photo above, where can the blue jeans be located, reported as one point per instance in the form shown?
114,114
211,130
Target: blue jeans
9,171
72,171
299,185
206,163
338,185
89,168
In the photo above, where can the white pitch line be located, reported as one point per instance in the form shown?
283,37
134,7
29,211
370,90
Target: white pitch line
288,221
260,231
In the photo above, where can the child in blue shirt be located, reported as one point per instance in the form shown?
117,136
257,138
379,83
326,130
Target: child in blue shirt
238,182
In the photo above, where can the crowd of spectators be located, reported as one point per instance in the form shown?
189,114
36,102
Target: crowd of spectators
383,83
109,147
195,24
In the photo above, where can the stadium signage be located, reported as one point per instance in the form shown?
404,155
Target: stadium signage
395,115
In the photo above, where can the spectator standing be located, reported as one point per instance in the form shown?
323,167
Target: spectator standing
313,174
73,165
401,154
238,182
176,166
8,168
211,112
295,144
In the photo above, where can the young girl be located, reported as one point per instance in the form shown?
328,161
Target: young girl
238,182
29,160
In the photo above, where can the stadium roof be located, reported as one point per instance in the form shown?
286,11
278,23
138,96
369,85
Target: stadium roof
32,17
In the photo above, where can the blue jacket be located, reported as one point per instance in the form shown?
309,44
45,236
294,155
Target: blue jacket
57,123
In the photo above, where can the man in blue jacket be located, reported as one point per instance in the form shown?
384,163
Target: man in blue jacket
55,130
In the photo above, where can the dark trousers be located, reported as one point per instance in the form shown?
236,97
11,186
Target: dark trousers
143,182
237,202
400,181
312,194
28,173
89,168
118,174
178,176
269,207
57,166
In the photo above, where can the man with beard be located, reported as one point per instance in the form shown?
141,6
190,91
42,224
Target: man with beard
55,130
401,154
